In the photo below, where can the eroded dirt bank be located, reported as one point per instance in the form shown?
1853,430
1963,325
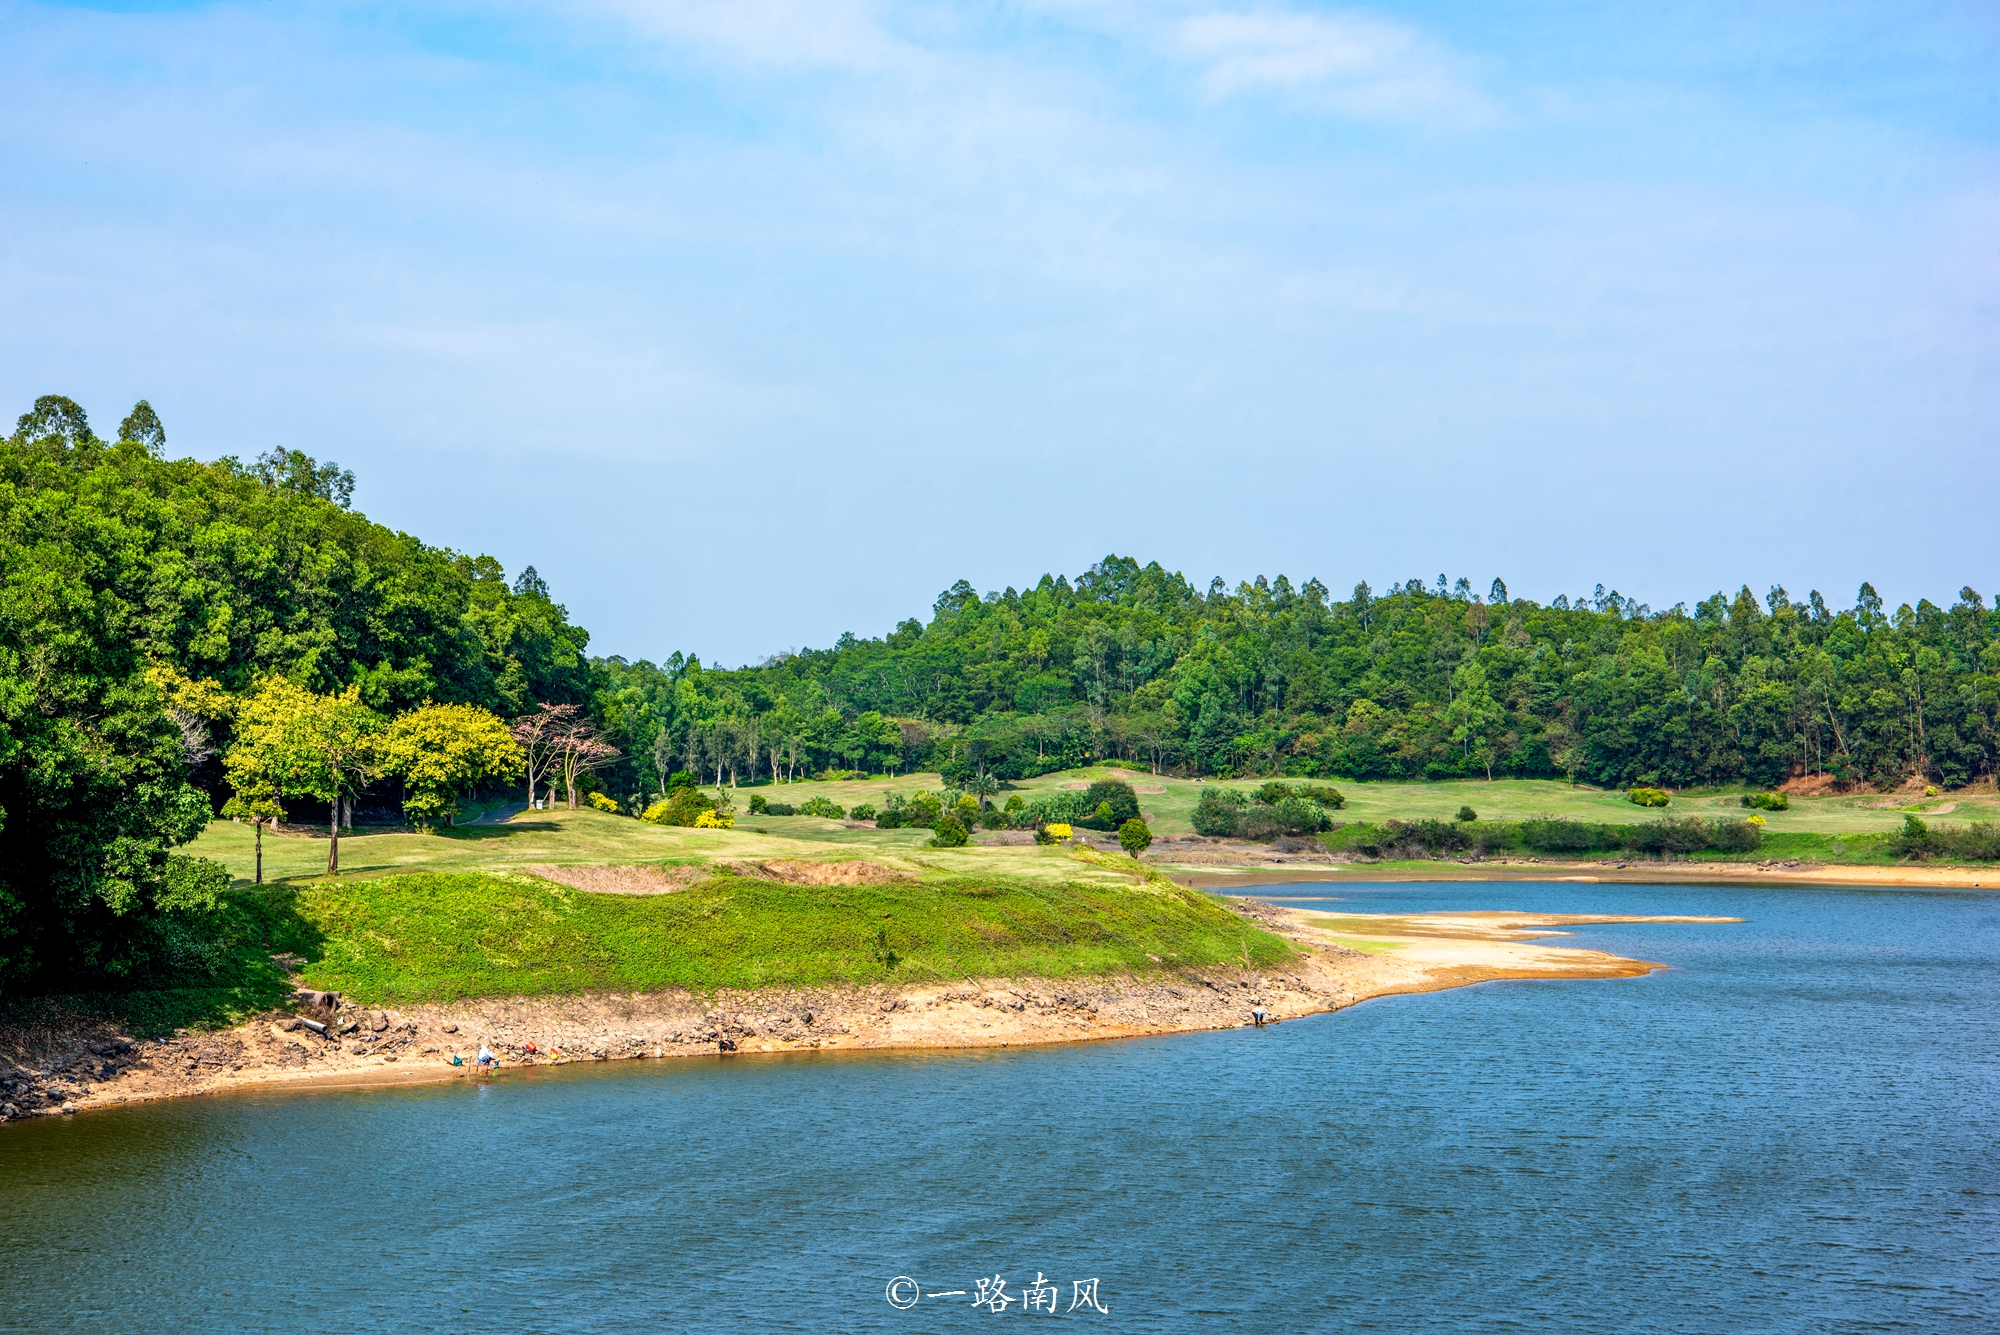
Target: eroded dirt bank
65,1064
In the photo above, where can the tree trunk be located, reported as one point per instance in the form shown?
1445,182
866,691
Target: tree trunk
333,843
258,826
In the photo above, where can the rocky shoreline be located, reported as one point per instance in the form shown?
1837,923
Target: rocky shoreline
75,1064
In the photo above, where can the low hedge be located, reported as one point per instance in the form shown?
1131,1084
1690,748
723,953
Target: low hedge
1441,838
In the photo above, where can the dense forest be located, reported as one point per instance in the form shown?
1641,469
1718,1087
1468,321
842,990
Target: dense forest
1421,681
123,572
115,560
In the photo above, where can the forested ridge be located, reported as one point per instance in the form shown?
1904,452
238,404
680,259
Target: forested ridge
115,560
1425,681
126,575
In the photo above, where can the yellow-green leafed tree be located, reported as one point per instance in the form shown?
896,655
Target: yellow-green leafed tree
441,751
303,744
257,797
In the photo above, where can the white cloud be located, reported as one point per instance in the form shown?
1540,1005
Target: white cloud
1345,62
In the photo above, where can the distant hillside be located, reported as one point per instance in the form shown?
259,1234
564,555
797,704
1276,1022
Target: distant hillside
1421,681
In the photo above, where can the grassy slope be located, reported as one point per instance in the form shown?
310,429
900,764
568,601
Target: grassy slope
453,914
1837,829
382,933
436,937
592,837
1168,803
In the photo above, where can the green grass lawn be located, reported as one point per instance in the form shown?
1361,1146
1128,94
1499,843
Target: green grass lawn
595,838
444,936
1841,829
1169,803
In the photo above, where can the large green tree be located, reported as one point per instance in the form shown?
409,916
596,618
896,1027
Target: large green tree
442,751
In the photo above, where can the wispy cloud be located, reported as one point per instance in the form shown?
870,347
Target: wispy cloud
777,34
1346,62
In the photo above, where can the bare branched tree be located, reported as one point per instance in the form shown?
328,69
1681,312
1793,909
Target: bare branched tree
581,748
196,743
542,737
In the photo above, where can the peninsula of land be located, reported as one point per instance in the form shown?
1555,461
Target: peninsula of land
71,1064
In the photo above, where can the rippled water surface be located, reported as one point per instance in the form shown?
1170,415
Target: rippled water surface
1793,1129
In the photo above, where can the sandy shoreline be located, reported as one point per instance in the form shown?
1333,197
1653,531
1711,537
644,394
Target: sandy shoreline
1225,875
76,1066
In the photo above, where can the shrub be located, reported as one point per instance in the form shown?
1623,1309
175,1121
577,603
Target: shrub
192,884
1467,814
1562,836
1930,790
821,806
1755,819
1425,838
861,811
714,820
1300,815
1439,837
1736,836
776,808
1977,842
1054,833
1108,804
1668,837
758,804
1218,812
603,803
1065,807
1648,797
683,806
1276,793
1325,794
993,818
949,832
1134,837
1767,801
1258,822
922,810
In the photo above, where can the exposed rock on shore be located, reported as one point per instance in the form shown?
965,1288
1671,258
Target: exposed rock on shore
67,1063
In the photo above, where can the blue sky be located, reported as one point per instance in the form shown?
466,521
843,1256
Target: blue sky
750,323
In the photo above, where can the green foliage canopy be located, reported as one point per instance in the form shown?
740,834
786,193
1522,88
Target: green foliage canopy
1136,665
441,752
114,563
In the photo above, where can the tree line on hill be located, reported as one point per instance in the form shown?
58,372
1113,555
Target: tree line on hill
1268,679
138,591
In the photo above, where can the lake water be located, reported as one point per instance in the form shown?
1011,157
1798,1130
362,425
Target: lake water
1793,1129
